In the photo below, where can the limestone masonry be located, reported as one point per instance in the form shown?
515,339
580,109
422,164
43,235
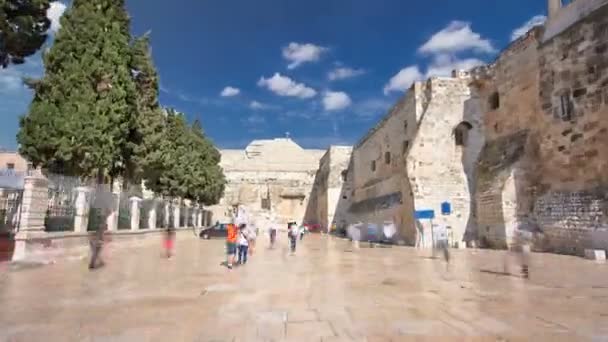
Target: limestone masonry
520,145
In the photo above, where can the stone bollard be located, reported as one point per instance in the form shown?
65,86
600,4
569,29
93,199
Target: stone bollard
176,215
199,218
167,218
33,211
135,212
152,215
83,206
194,217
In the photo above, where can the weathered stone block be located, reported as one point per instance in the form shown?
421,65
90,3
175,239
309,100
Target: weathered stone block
595,254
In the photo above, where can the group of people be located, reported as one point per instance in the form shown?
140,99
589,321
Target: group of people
240,242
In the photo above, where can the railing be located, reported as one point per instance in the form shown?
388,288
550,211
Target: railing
61,207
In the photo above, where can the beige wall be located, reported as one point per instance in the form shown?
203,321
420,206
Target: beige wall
6,158
277,169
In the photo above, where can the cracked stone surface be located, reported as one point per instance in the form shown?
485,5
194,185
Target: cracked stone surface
328,291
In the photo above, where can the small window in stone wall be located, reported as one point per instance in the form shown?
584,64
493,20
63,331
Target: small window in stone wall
344,175
387,157
373,166
405,126
10,166
266,203
405,147
494,101
566,106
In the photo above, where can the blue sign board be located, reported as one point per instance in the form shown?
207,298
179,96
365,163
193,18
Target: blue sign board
446,208
424,214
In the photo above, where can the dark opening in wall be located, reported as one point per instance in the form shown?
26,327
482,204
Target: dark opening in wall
387,157
494,101
461,133
405,126
344,175
405,147
566,106
10,166
373,165
266,203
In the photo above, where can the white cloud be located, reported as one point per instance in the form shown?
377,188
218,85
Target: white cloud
285,86
535,21
298,54
443,65
10,80
457,37
255,120
54,13
344,73
403,79
230,91
371,107
256,105
336,100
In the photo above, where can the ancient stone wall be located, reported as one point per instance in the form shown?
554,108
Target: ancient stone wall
506,171
381,192
572,208
268,177
441,161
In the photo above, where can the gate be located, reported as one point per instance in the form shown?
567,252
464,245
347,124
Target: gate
11,196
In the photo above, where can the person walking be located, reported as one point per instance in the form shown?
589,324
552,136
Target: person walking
169,242
253,235
231,240
292,234
243,244
102,205
302,231
273,235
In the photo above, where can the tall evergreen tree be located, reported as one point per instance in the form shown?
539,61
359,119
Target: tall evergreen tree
23,27
80,117
147,123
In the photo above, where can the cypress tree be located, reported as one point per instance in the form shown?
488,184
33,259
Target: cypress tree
147,125
23,27
80,117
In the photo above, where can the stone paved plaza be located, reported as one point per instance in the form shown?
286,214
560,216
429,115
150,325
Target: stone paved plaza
328,291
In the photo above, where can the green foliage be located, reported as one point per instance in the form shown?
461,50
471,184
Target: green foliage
23,27
186,164
147,124
96,112
80,118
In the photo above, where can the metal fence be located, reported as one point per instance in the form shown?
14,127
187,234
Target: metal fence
61,207
10,210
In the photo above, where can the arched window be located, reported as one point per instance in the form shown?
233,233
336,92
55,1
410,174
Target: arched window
461,133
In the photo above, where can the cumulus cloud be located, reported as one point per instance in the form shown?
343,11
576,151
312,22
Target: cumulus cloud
285,86
230,91
299,54
344,73
256,105
457,37
336,100
10,80
443,65
403,79
535,21
54,13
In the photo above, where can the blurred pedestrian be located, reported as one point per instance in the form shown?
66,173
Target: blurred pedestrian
169,241
231,240
273,235
102,208
302,231
292,234
243,244
253,235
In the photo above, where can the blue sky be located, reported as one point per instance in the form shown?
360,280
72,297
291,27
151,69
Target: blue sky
323,70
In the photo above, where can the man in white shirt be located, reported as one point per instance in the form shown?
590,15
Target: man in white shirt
243,244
